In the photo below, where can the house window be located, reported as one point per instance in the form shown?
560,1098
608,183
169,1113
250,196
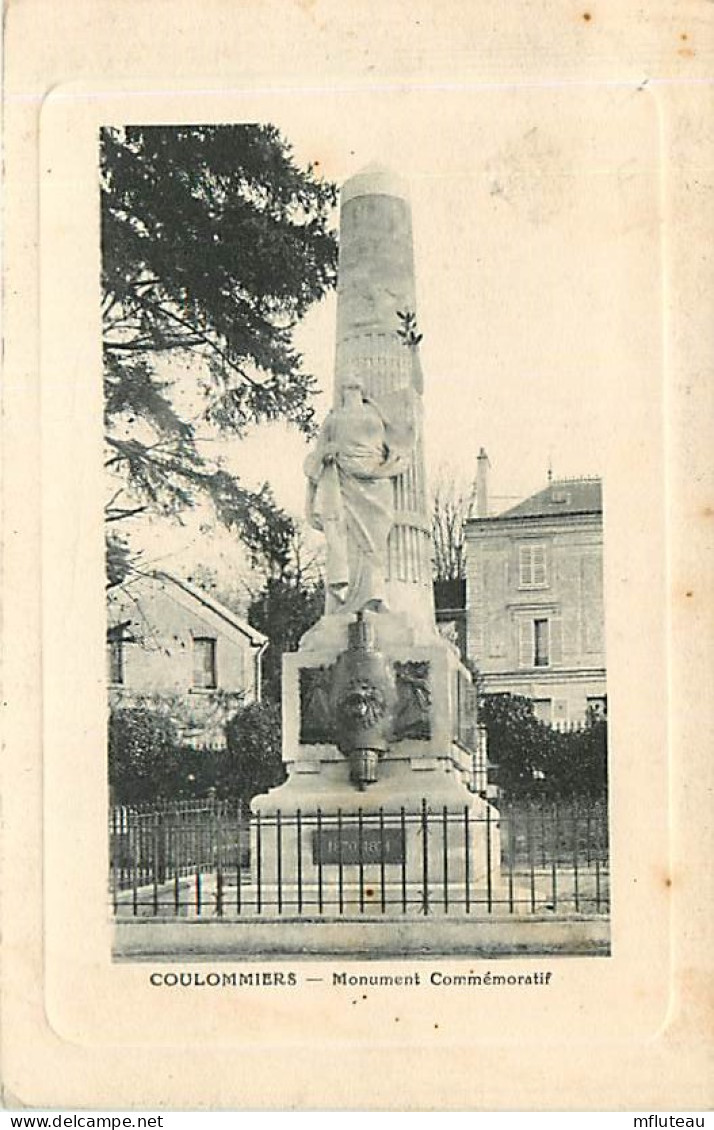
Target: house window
543,709
541,643
532,571
596,706
115,659
204,663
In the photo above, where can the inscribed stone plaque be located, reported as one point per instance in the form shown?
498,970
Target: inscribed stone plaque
332,845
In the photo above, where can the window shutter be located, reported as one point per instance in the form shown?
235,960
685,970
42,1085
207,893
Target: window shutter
525,643
556,641
524,563
532,567
538,576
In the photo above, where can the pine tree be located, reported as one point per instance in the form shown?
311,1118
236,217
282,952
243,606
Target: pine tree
214,244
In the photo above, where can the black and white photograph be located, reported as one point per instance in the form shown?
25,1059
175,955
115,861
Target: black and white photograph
355,613
351,469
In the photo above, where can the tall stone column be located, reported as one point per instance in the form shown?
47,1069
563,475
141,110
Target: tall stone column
376,285
380,611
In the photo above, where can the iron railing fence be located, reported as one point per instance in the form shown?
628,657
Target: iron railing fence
209,859
155,843
561,831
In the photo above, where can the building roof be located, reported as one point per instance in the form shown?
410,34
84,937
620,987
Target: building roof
256,638
563,496
186,589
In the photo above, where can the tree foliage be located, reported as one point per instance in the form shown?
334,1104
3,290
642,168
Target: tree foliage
144,755
254,757
518,743
148,762
284,609
214,244
530,757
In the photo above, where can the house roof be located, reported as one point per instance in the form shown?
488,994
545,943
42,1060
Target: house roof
186,589
563,496
256,638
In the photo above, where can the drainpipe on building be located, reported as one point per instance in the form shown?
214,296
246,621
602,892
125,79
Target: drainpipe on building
259,670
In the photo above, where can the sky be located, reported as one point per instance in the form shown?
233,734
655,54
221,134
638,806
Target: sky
535,229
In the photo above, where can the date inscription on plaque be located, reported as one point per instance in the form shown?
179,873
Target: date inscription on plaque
345,845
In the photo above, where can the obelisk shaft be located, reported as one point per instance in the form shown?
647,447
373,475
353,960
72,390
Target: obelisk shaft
377,285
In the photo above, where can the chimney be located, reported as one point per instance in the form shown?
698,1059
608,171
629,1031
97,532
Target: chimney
482,467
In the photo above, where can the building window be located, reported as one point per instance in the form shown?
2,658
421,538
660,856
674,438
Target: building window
115,659
596,706
204,663
532,571
537,642
541,643
543,709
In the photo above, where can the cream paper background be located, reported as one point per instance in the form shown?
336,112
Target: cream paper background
630,1031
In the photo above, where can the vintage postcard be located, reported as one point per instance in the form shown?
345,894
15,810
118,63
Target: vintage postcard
354,468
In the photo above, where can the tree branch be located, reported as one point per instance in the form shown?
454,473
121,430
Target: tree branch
117,514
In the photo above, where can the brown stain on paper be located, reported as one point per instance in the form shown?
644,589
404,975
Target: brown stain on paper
685,52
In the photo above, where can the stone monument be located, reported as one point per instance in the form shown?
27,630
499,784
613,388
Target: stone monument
378,710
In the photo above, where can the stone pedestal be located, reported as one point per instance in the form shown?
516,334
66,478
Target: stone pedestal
431,756
418,838
348,862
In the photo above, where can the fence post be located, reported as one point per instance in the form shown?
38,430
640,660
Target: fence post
403,825
217,827
425,855
382,865
239,858
113,858
489,890
554,864
258,863
360,855
531,861
279,859
219,891
319,860
340,865
298,837
511,855
576,886
445,856
467,861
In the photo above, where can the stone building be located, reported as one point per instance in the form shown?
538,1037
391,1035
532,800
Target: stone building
170,642
534,601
